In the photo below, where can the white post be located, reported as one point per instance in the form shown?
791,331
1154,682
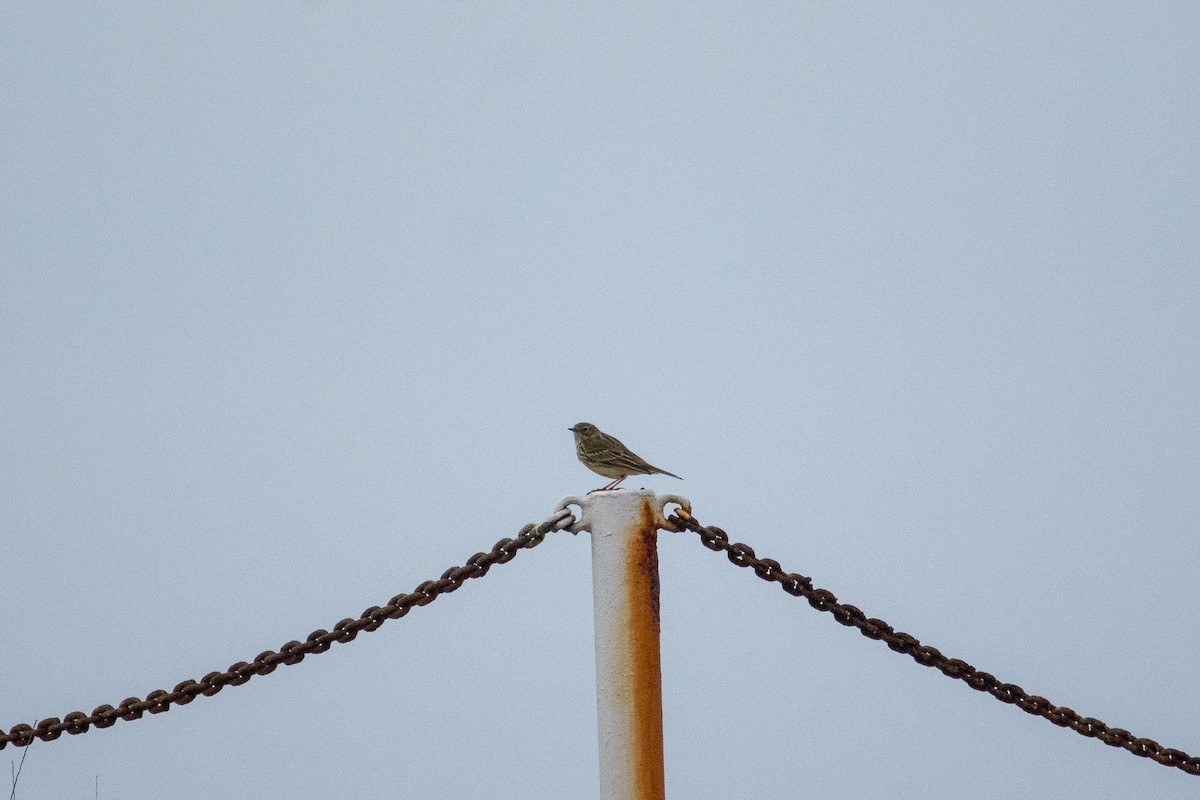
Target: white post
624,527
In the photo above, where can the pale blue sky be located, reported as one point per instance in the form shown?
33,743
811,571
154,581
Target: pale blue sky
297,303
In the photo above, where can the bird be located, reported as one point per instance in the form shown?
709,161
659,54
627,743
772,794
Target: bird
605,455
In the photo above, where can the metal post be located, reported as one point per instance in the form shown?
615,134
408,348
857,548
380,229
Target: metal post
624,527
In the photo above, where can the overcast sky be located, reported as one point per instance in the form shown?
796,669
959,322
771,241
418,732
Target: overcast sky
298,301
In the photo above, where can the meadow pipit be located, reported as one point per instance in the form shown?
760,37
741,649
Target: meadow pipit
605,455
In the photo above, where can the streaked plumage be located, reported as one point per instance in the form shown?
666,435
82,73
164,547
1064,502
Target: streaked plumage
605,455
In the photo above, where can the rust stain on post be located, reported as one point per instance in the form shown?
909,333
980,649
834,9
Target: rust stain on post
641,578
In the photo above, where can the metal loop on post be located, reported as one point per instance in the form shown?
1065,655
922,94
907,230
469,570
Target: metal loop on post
561,520
583,524
578,524
683,509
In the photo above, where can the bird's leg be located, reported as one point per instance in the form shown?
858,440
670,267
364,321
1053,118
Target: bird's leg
613,485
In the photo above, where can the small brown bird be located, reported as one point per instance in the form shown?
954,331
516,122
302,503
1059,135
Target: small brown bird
605,455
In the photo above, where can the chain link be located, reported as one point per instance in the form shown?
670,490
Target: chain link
293,652
823,600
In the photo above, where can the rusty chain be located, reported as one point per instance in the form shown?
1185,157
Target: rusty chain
823,600
319,641
293,652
